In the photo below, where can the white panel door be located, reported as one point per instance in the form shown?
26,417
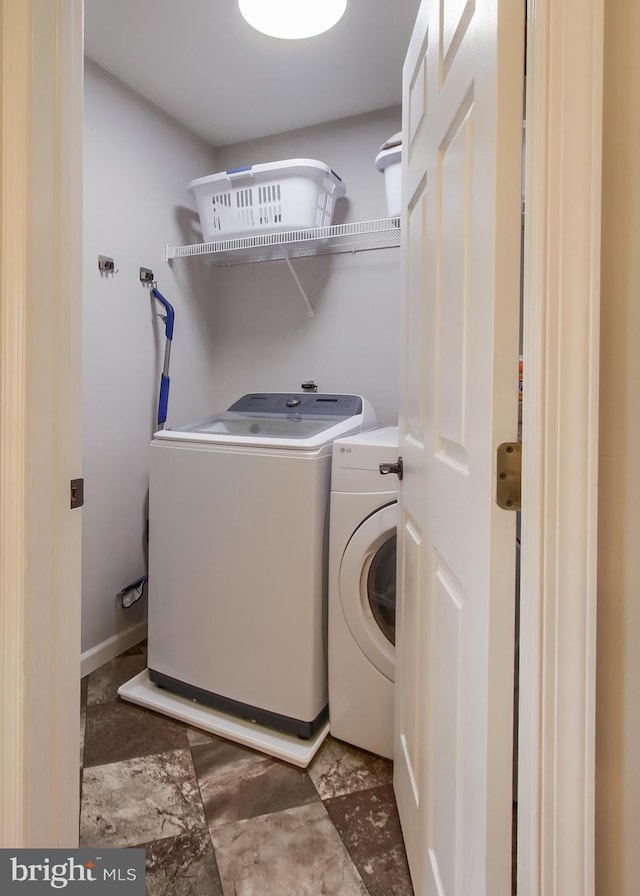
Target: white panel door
462,126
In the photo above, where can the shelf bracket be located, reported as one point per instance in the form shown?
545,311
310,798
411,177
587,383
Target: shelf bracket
299,285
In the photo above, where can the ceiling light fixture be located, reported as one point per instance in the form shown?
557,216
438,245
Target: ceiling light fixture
292,19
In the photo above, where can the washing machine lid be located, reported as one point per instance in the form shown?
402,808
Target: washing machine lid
300,421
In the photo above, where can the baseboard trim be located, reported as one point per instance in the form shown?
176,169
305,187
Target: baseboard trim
94,657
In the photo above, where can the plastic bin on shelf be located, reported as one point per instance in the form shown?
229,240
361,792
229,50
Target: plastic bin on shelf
294,194
389,162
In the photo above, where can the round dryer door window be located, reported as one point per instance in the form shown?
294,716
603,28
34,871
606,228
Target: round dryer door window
368,587
381,587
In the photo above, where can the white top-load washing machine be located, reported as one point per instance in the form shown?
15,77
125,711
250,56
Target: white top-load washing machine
238,516
362,590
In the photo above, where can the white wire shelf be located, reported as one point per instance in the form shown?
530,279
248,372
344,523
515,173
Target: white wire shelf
336,239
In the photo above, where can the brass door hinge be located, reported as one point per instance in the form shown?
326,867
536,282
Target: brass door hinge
509,481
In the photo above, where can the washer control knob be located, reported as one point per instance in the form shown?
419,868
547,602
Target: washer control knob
292,402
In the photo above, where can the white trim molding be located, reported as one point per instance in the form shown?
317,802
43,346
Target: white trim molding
107,650
41,45
14,247
560,448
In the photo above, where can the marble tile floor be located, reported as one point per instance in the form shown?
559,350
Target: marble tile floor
219,819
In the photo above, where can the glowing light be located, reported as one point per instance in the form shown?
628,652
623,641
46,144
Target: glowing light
292,19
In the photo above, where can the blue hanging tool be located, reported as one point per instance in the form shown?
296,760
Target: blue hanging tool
134,591
164,380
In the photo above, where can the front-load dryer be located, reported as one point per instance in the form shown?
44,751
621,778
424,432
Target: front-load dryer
362,590
237,557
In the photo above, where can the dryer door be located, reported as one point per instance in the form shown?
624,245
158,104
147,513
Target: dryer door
368,587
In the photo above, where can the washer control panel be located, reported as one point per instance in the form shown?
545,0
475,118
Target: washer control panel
302,404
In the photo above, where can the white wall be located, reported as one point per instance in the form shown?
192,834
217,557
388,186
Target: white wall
237,329
263,338
137,164
618,662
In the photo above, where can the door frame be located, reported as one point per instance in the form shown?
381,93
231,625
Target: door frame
557,692
556,803
41,79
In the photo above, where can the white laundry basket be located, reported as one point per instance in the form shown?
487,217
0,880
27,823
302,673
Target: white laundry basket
294,194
